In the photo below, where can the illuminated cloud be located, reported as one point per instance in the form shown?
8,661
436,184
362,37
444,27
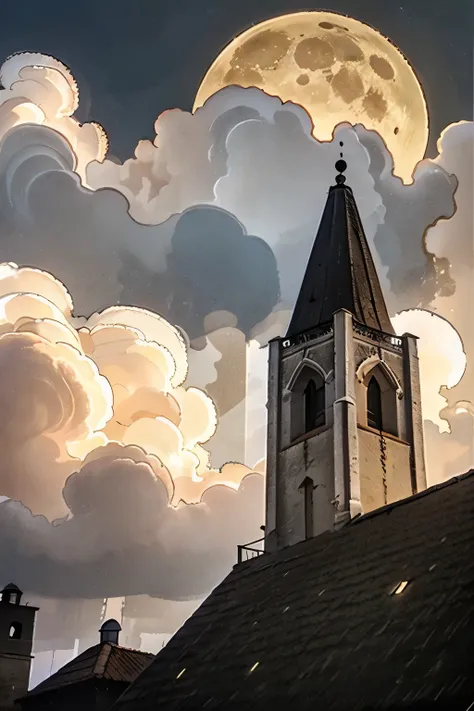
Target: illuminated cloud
194,264
118,376
123,538
99,432
453,241
38,89
442,359
209,227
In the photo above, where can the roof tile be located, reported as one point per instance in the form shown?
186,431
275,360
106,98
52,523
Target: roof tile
106,660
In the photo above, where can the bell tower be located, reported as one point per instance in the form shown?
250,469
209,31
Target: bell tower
345,430
17,623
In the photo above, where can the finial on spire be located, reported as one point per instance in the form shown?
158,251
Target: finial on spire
341,167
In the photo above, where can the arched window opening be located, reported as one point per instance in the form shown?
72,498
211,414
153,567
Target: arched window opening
314,405
15,630
307,390
374,404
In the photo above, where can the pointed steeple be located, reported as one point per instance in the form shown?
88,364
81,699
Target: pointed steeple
340,273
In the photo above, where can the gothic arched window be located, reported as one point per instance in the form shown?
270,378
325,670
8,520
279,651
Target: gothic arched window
374,404
307,391
314,405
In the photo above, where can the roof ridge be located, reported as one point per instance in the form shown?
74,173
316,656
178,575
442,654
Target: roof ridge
102,660
130,649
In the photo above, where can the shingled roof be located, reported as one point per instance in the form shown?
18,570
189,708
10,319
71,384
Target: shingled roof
102,661
318,625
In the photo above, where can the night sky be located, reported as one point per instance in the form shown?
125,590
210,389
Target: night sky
133,60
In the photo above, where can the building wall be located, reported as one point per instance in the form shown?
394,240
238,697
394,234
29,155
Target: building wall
10,613
354,468
14,675
107,693
312,457
384,469
15,654
309,456
91,695
76,697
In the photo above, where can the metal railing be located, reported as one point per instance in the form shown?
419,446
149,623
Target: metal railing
248,551
307,336
385,339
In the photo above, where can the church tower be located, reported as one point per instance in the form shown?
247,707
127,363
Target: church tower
345,430
17,623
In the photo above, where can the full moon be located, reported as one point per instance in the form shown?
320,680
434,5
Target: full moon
338,69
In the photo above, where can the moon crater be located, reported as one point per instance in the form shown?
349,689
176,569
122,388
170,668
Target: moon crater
348,85
346,50
375,105
314,53
303,79
382,67
264,50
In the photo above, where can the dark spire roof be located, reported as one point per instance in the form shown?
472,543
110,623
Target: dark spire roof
340,273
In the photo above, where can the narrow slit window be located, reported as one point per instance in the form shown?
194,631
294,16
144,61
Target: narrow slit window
374,404
314,406
308,507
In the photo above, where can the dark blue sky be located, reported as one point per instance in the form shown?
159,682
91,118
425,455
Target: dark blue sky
134,59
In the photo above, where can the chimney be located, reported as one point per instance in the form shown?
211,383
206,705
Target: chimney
109,632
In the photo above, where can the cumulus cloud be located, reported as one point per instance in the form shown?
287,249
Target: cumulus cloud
414,275
210,225
73,385
38,89
263,165
453,241
211,265
243,152
195,263
101,436
442,359
123,537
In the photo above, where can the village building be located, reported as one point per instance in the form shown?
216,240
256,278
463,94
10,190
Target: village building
17,624
93,680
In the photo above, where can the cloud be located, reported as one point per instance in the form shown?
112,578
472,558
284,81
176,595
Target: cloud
441,355
212,265
180,167
73,385
100,435
38,89
209,227
195,263
410,210
123,538
243,152
453,241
